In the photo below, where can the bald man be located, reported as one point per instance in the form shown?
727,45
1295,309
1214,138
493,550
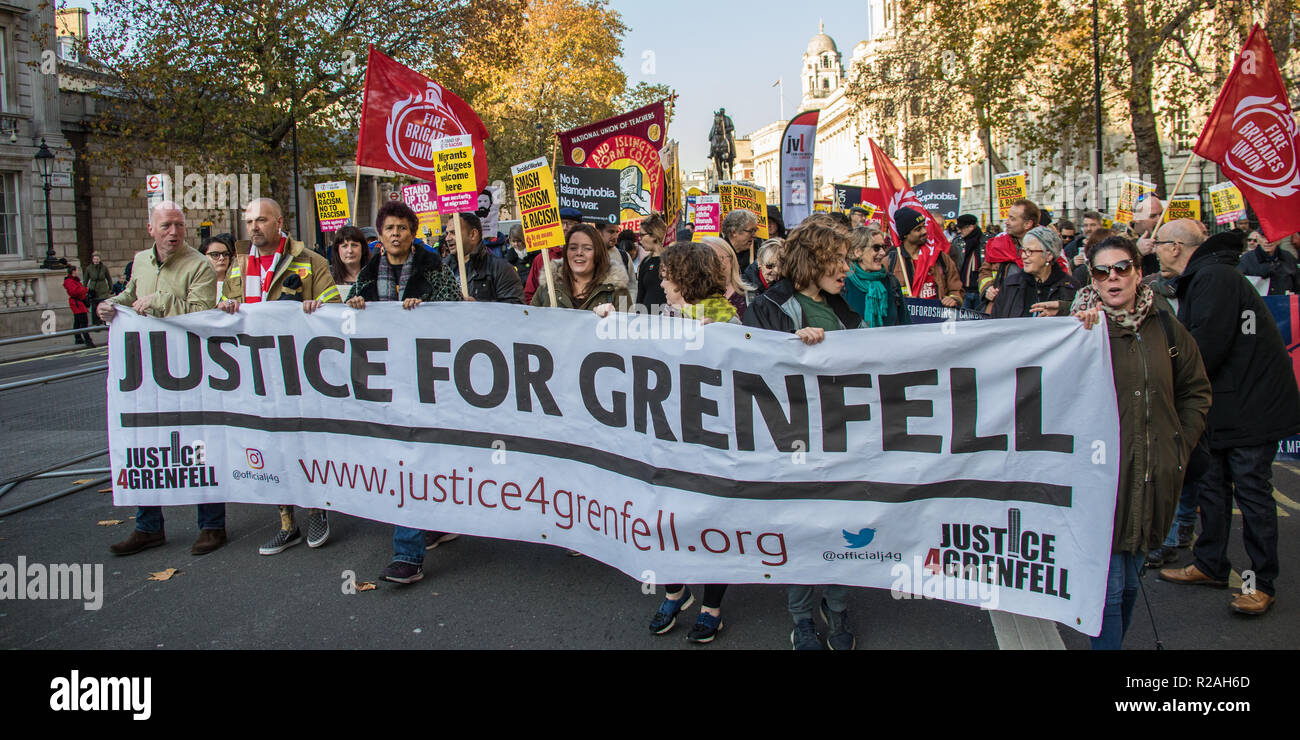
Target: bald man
168,279
1256,404
270,266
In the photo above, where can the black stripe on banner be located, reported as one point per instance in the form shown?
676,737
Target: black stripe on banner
1011,491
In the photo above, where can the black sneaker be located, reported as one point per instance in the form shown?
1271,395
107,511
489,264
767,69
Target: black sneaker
399,572
283,541
433,539
1161,555
804,636
838,636
706,628
1186,532
318,528
666,618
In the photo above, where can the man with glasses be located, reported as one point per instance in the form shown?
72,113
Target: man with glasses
1256,404
738,228
1267,259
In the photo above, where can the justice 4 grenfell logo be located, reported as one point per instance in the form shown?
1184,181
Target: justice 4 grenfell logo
1007,556
854,548
256,462
172,466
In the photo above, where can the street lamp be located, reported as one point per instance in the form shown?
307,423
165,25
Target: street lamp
45,165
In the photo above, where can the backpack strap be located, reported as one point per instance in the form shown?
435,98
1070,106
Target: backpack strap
1167,323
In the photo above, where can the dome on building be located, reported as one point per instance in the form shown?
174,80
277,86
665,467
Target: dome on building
821,42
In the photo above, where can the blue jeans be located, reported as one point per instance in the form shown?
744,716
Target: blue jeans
150,518
799,600
1121,595
408,545
1186,514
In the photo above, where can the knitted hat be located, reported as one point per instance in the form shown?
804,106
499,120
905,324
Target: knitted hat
1047,237
906,219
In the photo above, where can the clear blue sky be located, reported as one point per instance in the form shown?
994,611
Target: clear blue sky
725,54
728,54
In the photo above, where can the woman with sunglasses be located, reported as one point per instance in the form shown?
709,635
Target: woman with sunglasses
1163,396
1043,288
873,292
219,250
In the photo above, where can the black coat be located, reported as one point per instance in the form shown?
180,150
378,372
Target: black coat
769,310
523,265
1280,269
492,279
428,280
972,259
1021,290
1256,401
649,293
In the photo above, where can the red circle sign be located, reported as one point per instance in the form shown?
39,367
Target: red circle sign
155,182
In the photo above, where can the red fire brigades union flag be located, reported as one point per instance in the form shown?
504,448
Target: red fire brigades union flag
1251,135
896,193
404,113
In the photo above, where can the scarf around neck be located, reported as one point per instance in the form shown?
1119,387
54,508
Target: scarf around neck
876,295
715,307
257,285
1089,298
386,289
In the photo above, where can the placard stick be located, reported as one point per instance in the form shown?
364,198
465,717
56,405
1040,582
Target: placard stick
1174,193
550,278
356,193
460,255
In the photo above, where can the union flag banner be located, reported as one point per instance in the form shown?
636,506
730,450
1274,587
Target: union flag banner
404,113
629,143
1251,135
896,193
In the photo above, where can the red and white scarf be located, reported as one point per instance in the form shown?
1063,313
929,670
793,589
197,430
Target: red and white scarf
255,287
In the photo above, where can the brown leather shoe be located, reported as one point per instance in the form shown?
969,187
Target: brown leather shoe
1192,576
138,541
1253,603
209,540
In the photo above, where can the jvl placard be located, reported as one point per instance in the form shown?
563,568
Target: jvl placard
453,160
332,205
538,207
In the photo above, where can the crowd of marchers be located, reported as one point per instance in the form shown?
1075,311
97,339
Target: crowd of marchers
1202,401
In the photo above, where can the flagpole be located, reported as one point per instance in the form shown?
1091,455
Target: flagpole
460,254
356,194
1174,193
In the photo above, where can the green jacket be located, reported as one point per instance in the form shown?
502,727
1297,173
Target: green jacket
314,279
1163,403
611,288
185,283
98,280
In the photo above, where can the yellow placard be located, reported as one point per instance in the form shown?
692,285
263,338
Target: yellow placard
538,206
760,199
725,193
822,206
1129,192
1227,203
1187,207
332,205
1010,187
453,163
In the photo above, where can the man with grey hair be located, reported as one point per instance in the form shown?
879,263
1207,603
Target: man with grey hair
168,279
1256,404
738,228
1270,261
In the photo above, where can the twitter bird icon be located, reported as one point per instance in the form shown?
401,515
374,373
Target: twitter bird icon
861,539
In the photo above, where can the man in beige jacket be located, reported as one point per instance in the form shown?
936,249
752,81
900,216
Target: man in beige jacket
168,279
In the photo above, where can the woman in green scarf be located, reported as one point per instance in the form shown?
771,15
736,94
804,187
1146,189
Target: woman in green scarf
871,290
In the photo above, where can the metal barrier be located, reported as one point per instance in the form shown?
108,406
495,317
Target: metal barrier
52,335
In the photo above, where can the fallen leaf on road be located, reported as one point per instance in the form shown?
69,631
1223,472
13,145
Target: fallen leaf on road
164,575
365,586
106,490
83,480
108,522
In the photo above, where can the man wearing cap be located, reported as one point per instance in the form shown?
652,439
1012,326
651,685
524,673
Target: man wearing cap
569,218
968,230
943,281
858,216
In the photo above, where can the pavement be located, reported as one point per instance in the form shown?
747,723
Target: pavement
478,593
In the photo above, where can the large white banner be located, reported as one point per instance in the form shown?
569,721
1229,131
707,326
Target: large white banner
971,462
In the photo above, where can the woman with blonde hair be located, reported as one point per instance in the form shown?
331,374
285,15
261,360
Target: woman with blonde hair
737,290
